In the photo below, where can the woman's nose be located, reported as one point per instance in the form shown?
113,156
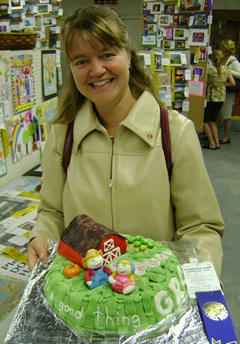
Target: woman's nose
97,68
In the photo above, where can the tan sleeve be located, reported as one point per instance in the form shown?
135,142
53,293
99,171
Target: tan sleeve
197,213
50,220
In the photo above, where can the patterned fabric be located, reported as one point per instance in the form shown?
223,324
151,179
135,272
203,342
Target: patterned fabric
216,88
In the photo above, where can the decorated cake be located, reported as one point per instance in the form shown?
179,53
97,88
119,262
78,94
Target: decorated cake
104,282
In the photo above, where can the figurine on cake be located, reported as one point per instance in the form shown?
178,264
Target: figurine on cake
96,273
123,280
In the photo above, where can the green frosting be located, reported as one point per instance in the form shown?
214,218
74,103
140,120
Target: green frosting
160,292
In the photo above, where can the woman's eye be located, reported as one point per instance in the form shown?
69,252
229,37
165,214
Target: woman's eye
81,63
108,55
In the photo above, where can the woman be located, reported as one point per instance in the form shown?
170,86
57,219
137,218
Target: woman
217,76
117,173
229,50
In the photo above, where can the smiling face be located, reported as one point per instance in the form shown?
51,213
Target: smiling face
95,262
101,72
124,269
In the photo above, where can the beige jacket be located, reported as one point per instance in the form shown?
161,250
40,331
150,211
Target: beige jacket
125,185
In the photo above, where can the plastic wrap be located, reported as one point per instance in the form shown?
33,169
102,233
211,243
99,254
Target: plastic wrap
35,322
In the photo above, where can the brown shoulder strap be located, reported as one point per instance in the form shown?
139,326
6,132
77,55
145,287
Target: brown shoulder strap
67,150
166,142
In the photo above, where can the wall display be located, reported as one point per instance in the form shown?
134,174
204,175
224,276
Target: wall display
4,76
151,28
179,33
169,9
1,115
16,4
52,37
4,26
164,79
196,88
43,9
202,54
162,94
158,61
34,2
179,76
197,71
3,164
28,10
182,37
168,45
4,12
164,20
25,135
198,37
179,93
178,105
43,43
49,109
181,45
25,97
23,82
156,7
55,11
175,59
49,74
38,20
201,19
17,15
149,40
193,5
28,22
150,19
183,19
169,32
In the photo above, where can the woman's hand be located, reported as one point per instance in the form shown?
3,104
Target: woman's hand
37,249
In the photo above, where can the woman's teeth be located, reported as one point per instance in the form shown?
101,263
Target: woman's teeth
101,83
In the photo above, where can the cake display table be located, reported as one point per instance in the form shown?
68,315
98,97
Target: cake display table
34,322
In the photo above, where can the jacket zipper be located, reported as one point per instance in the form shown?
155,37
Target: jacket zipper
111,178
110,186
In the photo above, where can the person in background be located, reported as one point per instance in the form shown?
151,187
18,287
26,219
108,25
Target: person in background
228,48
117,173
218,77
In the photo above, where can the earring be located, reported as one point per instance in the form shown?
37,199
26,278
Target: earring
130,68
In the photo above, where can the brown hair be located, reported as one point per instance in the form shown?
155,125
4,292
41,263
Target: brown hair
228,47
105,25
217,57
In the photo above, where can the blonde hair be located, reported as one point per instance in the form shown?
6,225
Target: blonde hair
105,25
228,47
217,57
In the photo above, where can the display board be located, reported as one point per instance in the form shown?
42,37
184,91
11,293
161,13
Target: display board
40,16
180,31
25,110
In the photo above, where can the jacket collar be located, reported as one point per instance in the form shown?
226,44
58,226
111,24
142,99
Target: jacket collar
143,120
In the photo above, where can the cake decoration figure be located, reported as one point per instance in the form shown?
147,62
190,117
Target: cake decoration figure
123,280
71,270
96,273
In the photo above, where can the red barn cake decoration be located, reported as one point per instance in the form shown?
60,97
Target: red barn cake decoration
83,233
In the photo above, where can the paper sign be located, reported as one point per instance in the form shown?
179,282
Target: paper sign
200,277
